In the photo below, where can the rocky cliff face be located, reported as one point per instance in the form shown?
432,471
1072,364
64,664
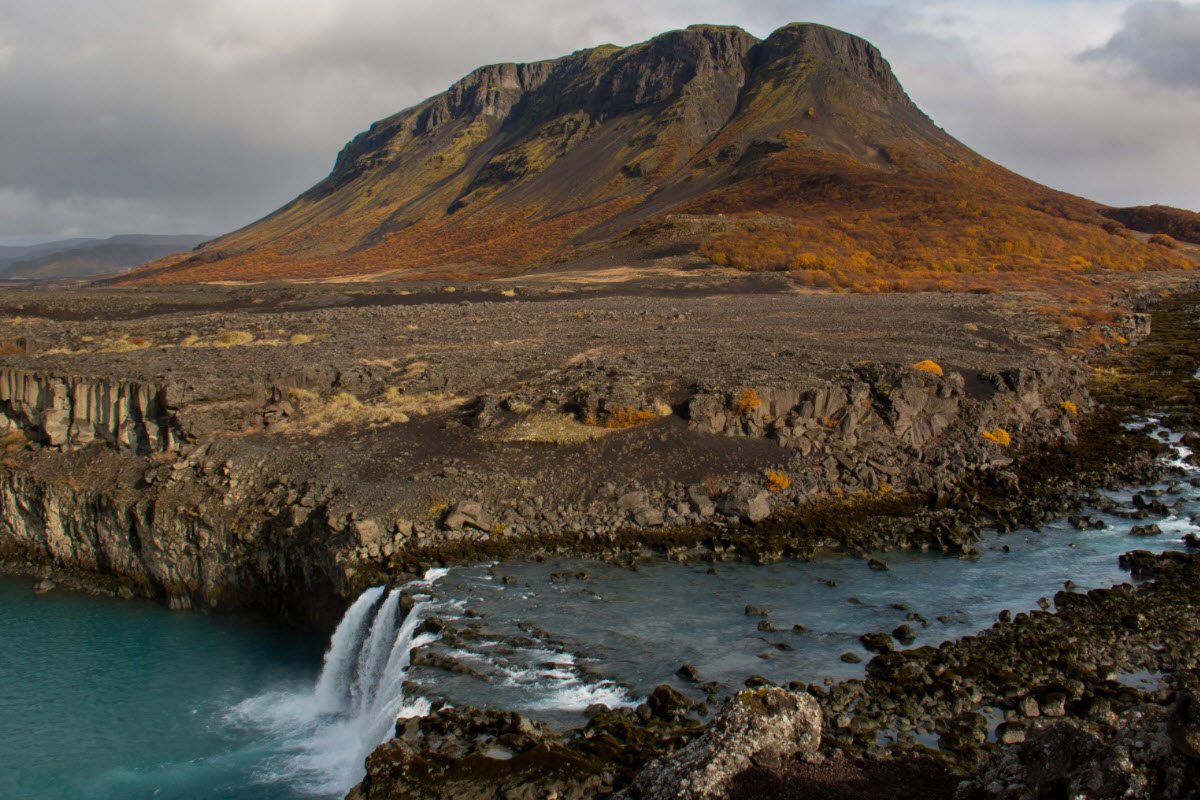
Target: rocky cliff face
177,536
228,524
68,412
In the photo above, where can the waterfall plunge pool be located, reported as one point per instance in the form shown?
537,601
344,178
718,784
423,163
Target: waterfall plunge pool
105,699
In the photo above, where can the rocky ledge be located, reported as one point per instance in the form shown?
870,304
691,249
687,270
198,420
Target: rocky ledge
280,448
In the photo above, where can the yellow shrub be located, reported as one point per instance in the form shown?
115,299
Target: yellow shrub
233,339
627,417
747,402
929,366
125,345
1069,407
999,436
13,441
776,480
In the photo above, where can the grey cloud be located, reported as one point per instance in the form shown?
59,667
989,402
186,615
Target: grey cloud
1160,40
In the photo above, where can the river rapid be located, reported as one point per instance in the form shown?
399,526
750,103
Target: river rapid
111,699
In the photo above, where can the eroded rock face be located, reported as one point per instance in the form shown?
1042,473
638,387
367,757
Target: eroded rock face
68,412
176,540
889,405
762,727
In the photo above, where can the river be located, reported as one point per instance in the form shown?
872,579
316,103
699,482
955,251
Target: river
106,699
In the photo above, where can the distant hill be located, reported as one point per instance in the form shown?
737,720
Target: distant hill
85,258
1177,223
800,152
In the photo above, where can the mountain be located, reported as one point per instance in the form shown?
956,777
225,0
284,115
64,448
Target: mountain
83,258
799,152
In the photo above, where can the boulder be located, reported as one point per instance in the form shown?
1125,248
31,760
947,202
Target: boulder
700,502
648,518
1183,725
467,514
747,502
368,531
877,642
763,727
632,502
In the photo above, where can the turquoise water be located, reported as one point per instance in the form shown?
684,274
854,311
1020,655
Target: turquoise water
104,699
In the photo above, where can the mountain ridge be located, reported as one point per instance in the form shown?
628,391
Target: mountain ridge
89,257
517,166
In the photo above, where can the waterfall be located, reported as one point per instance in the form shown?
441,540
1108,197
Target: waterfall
335,676
328,731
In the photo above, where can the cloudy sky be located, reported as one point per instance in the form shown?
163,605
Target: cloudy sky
198,116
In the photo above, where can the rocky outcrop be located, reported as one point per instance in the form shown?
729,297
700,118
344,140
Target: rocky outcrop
1138,759
176,542
899,407
67,412
468,754
764,727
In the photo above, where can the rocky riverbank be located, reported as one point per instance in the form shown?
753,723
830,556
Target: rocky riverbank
1041,700
212,481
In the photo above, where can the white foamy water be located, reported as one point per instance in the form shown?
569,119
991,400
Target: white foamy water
321,736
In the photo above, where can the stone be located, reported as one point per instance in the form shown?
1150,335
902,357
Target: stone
1183,724
877,642
667,702
648,518
700,502
763,727
1009,733
632,502
1053,705
746,502
1145,530
467,514
368,531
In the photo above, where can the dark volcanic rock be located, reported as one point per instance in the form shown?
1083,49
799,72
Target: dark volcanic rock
763,727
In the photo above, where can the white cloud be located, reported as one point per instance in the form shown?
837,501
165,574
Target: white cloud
228,34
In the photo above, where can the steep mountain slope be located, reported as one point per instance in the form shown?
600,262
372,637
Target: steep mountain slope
667,147
83,258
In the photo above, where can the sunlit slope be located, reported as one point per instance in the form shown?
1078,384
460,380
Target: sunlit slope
674,145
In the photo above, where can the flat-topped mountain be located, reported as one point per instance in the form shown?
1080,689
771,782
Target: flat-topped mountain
798,152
